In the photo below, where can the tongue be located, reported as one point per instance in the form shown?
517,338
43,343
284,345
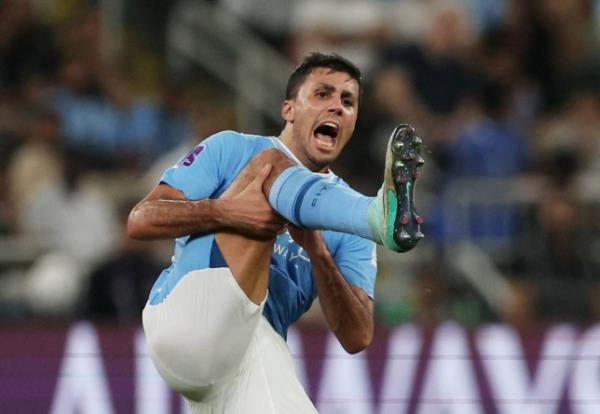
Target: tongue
323,139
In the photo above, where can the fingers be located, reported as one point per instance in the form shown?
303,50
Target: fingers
262,175
260,178
266,170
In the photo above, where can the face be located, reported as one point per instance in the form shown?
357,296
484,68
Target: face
320,120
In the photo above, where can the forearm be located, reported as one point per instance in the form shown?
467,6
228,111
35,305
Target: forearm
161,219
347,309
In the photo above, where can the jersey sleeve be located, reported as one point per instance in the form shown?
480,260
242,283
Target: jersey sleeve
202,171
357,260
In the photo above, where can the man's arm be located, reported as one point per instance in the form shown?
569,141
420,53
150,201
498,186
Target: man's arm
348,309
166,213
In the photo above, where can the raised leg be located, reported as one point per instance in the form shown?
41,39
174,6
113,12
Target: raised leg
390,219
249,258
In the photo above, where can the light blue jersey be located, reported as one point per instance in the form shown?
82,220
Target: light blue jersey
206,172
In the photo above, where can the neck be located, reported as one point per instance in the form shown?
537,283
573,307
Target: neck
287,137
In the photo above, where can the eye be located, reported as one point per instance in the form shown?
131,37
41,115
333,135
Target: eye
322,94
349,102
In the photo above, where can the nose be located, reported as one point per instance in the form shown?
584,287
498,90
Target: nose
335,107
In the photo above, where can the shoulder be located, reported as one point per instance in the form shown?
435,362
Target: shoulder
223,138
238,148
230,136
230,146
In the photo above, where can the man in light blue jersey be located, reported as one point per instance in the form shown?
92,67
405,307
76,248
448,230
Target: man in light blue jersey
246,212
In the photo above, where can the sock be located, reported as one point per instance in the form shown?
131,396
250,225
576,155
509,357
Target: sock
311,201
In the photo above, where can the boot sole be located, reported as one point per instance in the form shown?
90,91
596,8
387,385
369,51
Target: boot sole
403,163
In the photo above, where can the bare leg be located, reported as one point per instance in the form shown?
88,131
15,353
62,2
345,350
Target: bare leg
248,258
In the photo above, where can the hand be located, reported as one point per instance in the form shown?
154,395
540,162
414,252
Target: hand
246,210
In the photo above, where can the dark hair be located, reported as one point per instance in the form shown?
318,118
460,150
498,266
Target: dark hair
315,60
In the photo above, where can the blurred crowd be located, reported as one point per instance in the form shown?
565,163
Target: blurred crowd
506,94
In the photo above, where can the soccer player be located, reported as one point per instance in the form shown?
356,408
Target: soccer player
246,212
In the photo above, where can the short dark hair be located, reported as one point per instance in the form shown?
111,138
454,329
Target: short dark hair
315,60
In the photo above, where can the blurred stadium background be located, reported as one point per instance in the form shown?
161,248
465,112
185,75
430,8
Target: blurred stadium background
493,312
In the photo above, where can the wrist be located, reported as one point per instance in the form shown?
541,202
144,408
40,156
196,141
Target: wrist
217,209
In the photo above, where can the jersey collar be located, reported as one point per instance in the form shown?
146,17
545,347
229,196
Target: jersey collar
284,148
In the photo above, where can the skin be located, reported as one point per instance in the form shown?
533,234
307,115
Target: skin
324,96
244,223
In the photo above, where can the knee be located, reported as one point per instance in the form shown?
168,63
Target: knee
192,360
190,353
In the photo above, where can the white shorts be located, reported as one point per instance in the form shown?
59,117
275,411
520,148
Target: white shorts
211,343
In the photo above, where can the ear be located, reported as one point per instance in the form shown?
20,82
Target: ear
287,110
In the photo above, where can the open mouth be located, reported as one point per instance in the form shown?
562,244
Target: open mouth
326,134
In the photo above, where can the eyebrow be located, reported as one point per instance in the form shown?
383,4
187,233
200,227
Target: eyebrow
330,88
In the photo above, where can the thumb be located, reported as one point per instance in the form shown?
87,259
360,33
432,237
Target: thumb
262,175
